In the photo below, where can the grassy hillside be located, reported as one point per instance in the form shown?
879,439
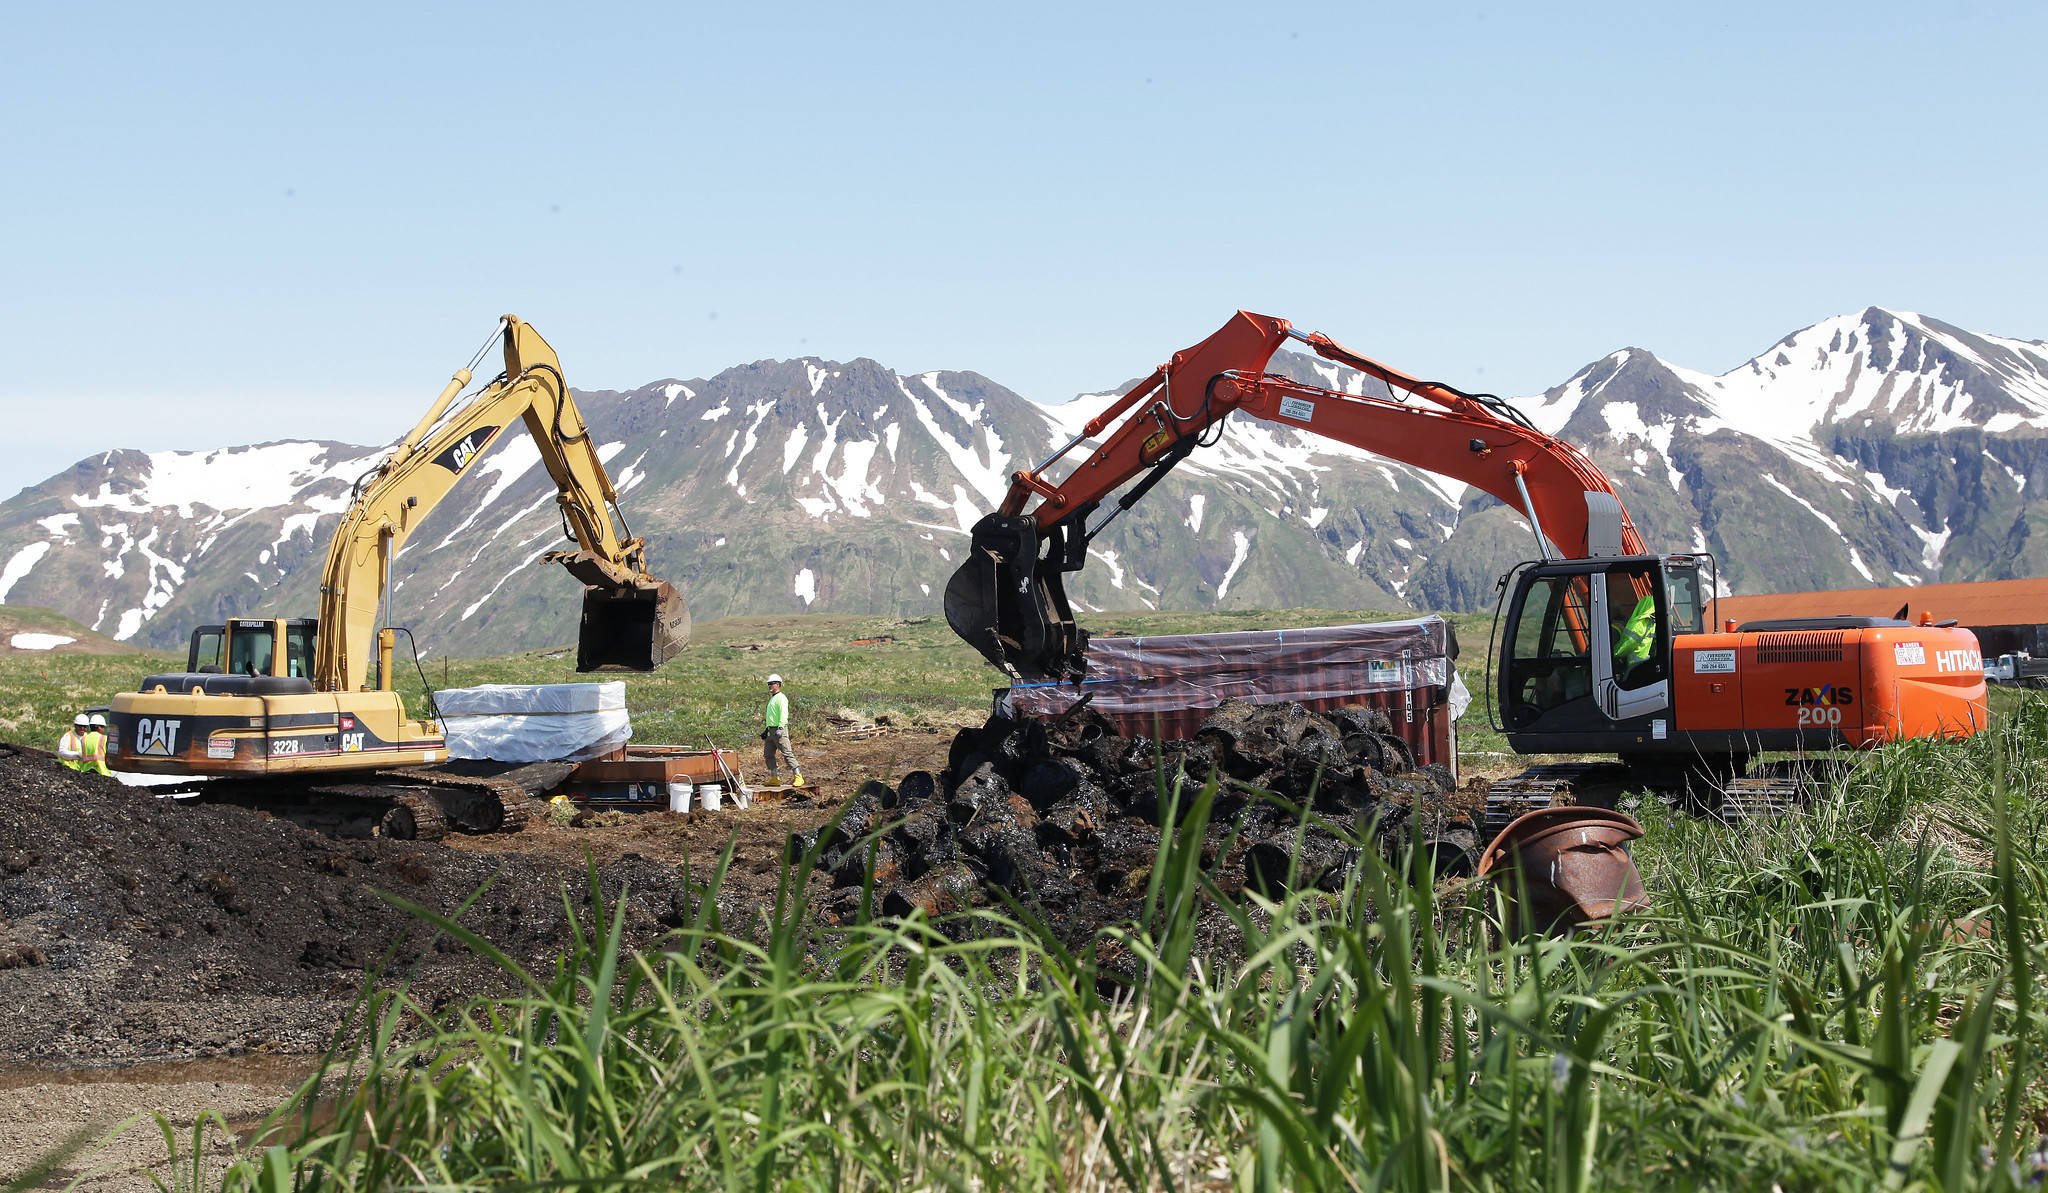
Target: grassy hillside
28,619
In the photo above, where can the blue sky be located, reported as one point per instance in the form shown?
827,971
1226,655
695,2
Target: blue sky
236,224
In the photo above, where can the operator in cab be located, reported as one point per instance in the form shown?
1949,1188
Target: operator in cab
1635,634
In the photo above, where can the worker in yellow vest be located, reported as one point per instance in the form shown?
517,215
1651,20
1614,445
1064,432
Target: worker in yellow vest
71,747
1635,636
94,760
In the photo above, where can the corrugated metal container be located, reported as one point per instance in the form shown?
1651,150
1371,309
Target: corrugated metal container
1165,685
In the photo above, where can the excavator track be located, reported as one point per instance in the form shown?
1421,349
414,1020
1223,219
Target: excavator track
1548,786
402,814
405,812
471,803
1771,790
421,803
487,797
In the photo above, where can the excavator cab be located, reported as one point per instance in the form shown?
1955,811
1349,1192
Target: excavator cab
1586,647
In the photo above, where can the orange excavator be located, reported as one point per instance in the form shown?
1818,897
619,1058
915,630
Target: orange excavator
1604,647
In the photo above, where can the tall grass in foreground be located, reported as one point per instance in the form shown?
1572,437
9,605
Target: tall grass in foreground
1848,999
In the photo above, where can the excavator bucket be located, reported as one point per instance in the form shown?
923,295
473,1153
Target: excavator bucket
1010,605
632,628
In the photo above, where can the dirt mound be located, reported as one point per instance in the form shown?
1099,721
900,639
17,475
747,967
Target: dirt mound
1065,816
136,927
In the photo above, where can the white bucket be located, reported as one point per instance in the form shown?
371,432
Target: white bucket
679,795
711,796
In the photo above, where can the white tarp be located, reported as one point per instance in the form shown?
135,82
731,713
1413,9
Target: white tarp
556,722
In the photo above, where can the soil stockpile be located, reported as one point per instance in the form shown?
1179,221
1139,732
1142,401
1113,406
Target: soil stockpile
1065,816
135,927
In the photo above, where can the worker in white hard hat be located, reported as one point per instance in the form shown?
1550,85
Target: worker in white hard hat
775,737
71,747
94,759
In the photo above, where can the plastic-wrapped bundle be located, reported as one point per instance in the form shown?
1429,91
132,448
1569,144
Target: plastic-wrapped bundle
505,722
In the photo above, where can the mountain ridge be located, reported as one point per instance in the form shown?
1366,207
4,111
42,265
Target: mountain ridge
1876,447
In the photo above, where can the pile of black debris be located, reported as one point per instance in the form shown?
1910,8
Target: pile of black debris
1065,816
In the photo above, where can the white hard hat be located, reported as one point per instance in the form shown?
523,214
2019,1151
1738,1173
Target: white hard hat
81,721
99,721
775,679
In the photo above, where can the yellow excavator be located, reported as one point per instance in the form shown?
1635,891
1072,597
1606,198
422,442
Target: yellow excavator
300,718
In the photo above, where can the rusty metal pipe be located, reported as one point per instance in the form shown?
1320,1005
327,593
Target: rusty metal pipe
1567,867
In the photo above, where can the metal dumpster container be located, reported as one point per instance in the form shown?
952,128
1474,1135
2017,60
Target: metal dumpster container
1162,686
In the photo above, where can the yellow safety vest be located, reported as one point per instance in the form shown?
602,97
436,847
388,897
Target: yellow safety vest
1639,633
93,758
71,749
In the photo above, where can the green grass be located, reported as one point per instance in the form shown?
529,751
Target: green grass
41,692
1848,999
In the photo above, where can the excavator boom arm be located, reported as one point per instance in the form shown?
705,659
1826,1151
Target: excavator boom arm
1008,600
392,499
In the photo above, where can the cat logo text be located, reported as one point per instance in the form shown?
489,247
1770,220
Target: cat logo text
157,735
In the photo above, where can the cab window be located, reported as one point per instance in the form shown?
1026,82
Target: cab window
251,647
206,649
1634,623
1550,663
298,649
1682,598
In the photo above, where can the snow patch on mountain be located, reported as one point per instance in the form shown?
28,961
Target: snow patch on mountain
987,470
1241,550
1931,544
1116,570
163,575
29,641
753,438
21,564
794,446
226,480
630,476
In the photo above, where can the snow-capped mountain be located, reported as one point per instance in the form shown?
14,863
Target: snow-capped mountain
1877,448
1880,448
